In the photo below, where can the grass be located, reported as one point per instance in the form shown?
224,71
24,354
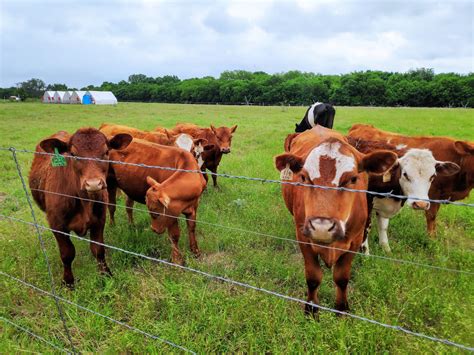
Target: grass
208,316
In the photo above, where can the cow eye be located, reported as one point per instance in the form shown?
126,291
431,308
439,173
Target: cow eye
405,175
353,179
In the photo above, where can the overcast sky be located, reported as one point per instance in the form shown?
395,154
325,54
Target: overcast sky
80,42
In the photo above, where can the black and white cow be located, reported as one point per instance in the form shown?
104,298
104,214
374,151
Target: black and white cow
317,114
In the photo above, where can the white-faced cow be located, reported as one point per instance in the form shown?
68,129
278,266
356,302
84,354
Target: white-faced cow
329,223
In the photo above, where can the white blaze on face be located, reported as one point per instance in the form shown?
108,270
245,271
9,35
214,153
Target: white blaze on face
198,149
400,146
343,162
417,168
184,141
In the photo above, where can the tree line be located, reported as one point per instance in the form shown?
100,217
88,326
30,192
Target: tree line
417,88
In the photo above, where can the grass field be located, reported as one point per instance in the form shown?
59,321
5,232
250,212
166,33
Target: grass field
208,316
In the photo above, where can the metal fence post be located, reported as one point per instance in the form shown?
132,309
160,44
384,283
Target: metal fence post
43,248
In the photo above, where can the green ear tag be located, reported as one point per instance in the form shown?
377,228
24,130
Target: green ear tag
58,159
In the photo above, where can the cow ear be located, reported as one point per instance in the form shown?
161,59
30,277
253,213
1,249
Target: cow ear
202,141
295,163
289,138
233,129
463,147
48,145
378,162
152,182
168,134
209,146
120,141
213,129
446,168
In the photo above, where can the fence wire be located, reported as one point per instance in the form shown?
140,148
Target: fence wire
59,298
39,337
262,180
244,285
294,241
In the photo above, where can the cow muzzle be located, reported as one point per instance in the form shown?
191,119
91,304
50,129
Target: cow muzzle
324,230
420,205
94,185
225,150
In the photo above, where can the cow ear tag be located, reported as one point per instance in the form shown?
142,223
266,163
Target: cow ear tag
387,176
58,159
286,174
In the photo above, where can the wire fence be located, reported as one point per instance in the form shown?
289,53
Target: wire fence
58,299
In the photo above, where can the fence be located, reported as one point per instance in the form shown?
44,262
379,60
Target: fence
59,300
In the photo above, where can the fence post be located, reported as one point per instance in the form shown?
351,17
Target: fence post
43,248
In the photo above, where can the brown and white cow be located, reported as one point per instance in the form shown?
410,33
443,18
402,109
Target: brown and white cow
411,176
329,219
220,137
165,192
444,187
80,178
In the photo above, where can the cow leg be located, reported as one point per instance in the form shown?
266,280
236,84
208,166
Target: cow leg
382,226
314,276
214,177
173,233
97,235
67,253
191,222
204,174
364,248
112,191
430,215
129,203
341,275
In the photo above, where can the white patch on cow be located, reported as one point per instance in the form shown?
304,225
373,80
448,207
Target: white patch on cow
198,149
311,113
387,207
400,146
200,162
344,163
184,141
417,167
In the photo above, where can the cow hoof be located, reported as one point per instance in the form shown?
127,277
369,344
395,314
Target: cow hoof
178,261
386,248
365,250
311,311
197,253
342,307
69,285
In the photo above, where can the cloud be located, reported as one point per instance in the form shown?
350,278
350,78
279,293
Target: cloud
88,42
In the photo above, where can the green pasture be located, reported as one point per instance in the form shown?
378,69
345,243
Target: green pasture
208,316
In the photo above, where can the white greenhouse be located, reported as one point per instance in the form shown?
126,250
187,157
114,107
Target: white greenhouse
62,97
76,97
99,98
48,97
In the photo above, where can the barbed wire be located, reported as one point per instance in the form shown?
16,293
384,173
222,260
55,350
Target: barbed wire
34,335
255,288
59,298
294,241
242,177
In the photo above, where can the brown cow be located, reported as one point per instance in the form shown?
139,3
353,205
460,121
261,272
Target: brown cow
81,178
164,191
220,137
328,218
452,187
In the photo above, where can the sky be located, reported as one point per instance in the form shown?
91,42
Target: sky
88,42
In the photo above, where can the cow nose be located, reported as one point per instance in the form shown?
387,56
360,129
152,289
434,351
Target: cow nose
225,150
421,205
94,185
322,229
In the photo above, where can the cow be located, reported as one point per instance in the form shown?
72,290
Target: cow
166,193
329,224
411,176
444,187
78,178
220,137
164,137
317,114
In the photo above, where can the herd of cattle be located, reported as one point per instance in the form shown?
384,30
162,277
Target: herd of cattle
331,224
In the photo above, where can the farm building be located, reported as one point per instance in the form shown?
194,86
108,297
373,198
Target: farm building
62,97
76,97
99,98
48,97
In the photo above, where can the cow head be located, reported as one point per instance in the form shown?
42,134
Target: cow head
333,163
158,203
87,143
200,145
224,137
418,168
